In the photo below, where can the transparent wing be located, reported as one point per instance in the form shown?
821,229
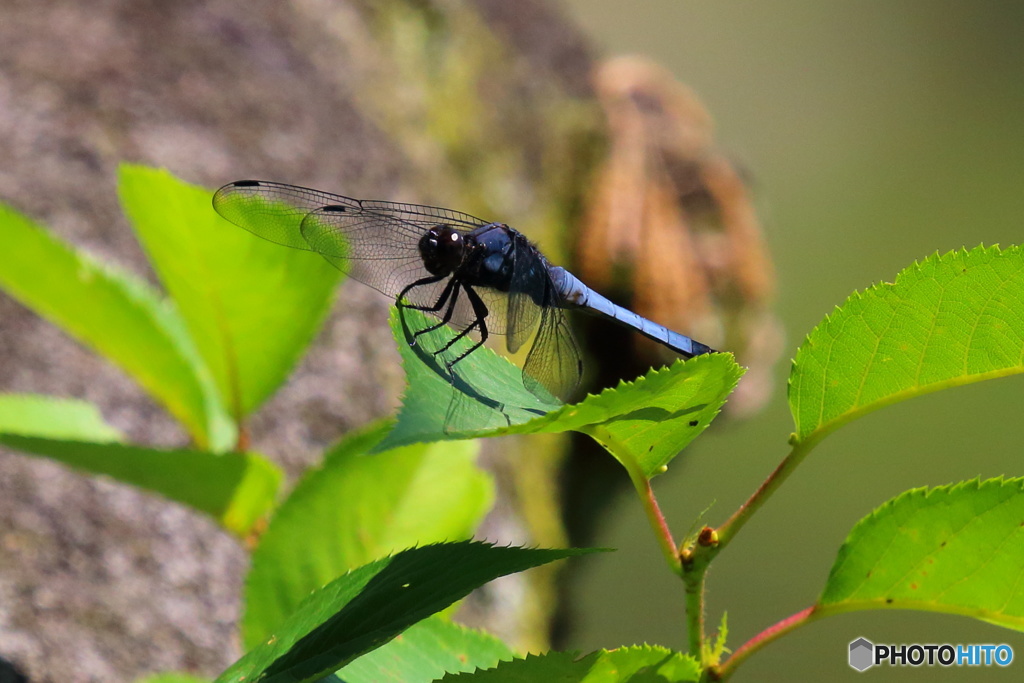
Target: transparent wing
522,320
377,249
554,364
274,211
375,242
526,293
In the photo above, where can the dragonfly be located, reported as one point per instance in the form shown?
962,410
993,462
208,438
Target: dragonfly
480,278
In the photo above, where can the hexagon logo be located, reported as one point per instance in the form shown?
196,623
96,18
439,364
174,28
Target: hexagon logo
862,654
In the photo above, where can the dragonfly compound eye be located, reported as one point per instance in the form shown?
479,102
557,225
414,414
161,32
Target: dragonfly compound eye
442,249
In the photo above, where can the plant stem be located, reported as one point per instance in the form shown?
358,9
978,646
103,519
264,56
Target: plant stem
642,484
656,519
242,443
766,636
693,578
732,526
699,556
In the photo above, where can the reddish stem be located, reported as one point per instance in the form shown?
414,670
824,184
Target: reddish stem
766,636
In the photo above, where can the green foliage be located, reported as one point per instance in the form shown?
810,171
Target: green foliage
374,603
427,408
118,315
250,306
345,566
236,489
956,549
425,652
173,678
644,423
55,418
638,664
949,320
714,650
239,314
355,508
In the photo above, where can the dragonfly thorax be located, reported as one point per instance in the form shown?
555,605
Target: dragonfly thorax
489,260
442,249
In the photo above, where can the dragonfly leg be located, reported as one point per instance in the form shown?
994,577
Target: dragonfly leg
451,290
480,309
418,283
399,302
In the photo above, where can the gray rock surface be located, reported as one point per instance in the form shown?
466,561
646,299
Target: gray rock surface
99,581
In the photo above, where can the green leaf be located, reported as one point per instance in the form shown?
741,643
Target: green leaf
949,320
251,306
372,604
117,315
236,489
650,420
425,652
55,418
714,649
356,508
645,423
637,664
955,549
173,678
491,390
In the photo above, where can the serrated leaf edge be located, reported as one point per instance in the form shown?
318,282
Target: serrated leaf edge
877,290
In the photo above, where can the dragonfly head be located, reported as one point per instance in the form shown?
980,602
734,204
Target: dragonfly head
442,249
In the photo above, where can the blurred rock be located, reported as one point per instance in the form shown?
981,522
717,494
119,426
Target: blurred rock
98,581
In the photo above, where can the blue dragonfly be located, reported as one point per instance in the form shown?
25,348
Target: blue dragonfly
478,277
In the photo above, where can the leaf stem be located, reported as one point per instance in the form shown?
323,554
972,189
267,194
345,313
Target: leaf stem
696,559
243,442
642,484
773,632
731,527
657,521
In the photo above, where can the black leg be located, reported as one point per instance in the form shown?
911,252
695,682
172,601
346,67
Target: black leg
430,309
452,290
480,311
419,283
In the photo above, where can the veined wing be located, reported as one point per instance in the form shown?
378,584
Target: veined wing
274,211
378,248
375,242
529,291
554,364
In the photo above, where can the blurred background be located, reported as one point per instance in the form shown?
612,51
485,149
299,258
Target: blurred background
869,135
875,134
